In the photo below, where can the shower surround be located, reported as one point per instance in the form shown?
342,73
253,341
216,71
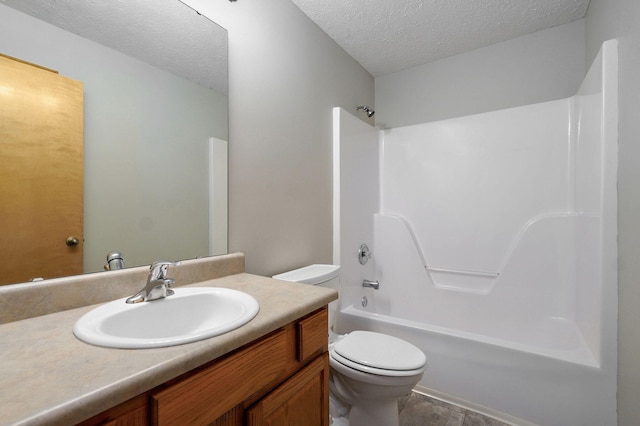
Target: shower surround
494,242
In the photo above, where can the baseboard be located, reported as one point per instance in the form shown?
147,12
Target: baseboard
485,411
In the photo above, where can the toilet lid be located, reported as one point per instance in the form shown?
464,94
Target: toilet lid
380,351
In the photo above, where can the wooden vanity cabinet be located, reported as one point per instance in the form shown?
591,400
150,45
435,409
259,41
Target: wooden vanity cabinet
279,379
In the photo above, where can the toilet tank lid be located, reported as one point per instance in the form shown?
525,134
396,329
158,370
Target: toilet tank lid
312,274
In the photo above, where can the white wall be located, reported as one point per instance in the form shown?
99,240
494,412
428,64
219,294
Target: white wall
285,76
538,67
356,199
146,141
218,196
621,19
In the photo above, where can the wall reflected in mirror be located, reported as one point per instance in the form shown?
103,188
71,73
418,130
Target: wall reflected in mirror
155,120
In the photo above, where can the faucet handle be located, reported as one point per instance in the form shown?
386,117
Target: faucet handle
158,270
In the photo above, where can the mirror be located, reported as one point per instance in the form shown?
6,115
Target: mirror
155,119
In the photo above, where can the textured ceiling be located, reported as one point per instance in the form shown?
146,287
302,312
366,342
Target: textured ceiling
386,36
164,33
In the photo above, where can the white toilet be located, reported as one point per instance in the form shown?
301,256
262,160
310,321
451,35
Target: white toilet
369,371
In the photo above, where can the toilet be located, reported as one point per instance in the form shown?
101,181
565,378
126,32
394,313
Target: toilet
369,370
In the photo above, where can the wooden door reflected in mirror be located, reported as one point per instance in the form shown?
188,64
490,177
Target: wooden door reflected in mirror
41,178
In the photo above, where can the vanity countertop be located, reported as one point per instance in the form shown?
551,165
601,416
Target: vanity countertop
50,377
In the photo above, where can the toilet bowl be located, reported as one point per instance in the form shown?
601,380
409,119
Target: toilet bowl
369,370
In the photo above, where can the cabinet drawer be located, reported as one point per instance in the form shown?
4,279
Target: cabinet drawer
207,395
313,335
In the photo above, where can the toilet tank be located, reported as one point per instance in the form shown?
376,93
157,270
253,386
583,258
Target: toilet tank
318,274
312,274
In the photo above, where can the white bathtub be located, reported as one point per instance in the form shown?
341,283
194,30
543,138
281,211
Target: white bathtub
500,375
529,341
526,342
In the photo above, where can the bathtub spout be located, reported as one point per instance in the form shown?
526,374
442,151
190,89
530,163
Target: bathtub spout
371,284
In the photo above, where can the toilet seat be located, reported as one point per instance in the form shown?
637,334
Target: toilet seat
379,354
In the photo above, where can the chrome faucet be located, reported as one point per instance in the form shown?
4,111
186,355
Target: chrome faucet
372,284
158,285
115,261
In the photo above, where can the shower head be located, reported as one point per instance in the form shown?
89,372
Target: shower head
366,110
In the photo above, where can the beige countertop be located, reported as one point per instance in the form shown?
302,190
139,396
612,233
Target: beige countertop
50,377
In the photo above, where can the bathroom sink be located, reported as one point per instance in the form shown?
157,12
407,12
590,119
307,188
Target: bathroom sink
191,314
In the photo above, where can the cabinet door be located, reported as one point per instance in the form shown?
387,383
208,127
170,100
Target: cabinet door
302,400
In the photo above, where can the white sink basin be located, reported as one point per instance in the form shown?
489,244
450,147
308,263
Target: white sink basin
191,314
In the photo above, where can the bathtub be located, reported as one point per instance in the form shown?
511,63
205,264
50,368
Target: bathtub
505,380
526,345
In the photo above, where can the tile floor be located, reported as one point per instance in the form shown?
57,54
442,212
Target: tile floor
420,410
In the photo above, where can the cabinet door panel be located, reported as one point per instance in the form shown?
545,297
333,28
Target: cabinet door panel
232,417
302,400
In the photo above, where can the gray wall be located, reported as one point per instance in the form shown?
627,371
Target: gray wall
285,75
537,67
620,19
